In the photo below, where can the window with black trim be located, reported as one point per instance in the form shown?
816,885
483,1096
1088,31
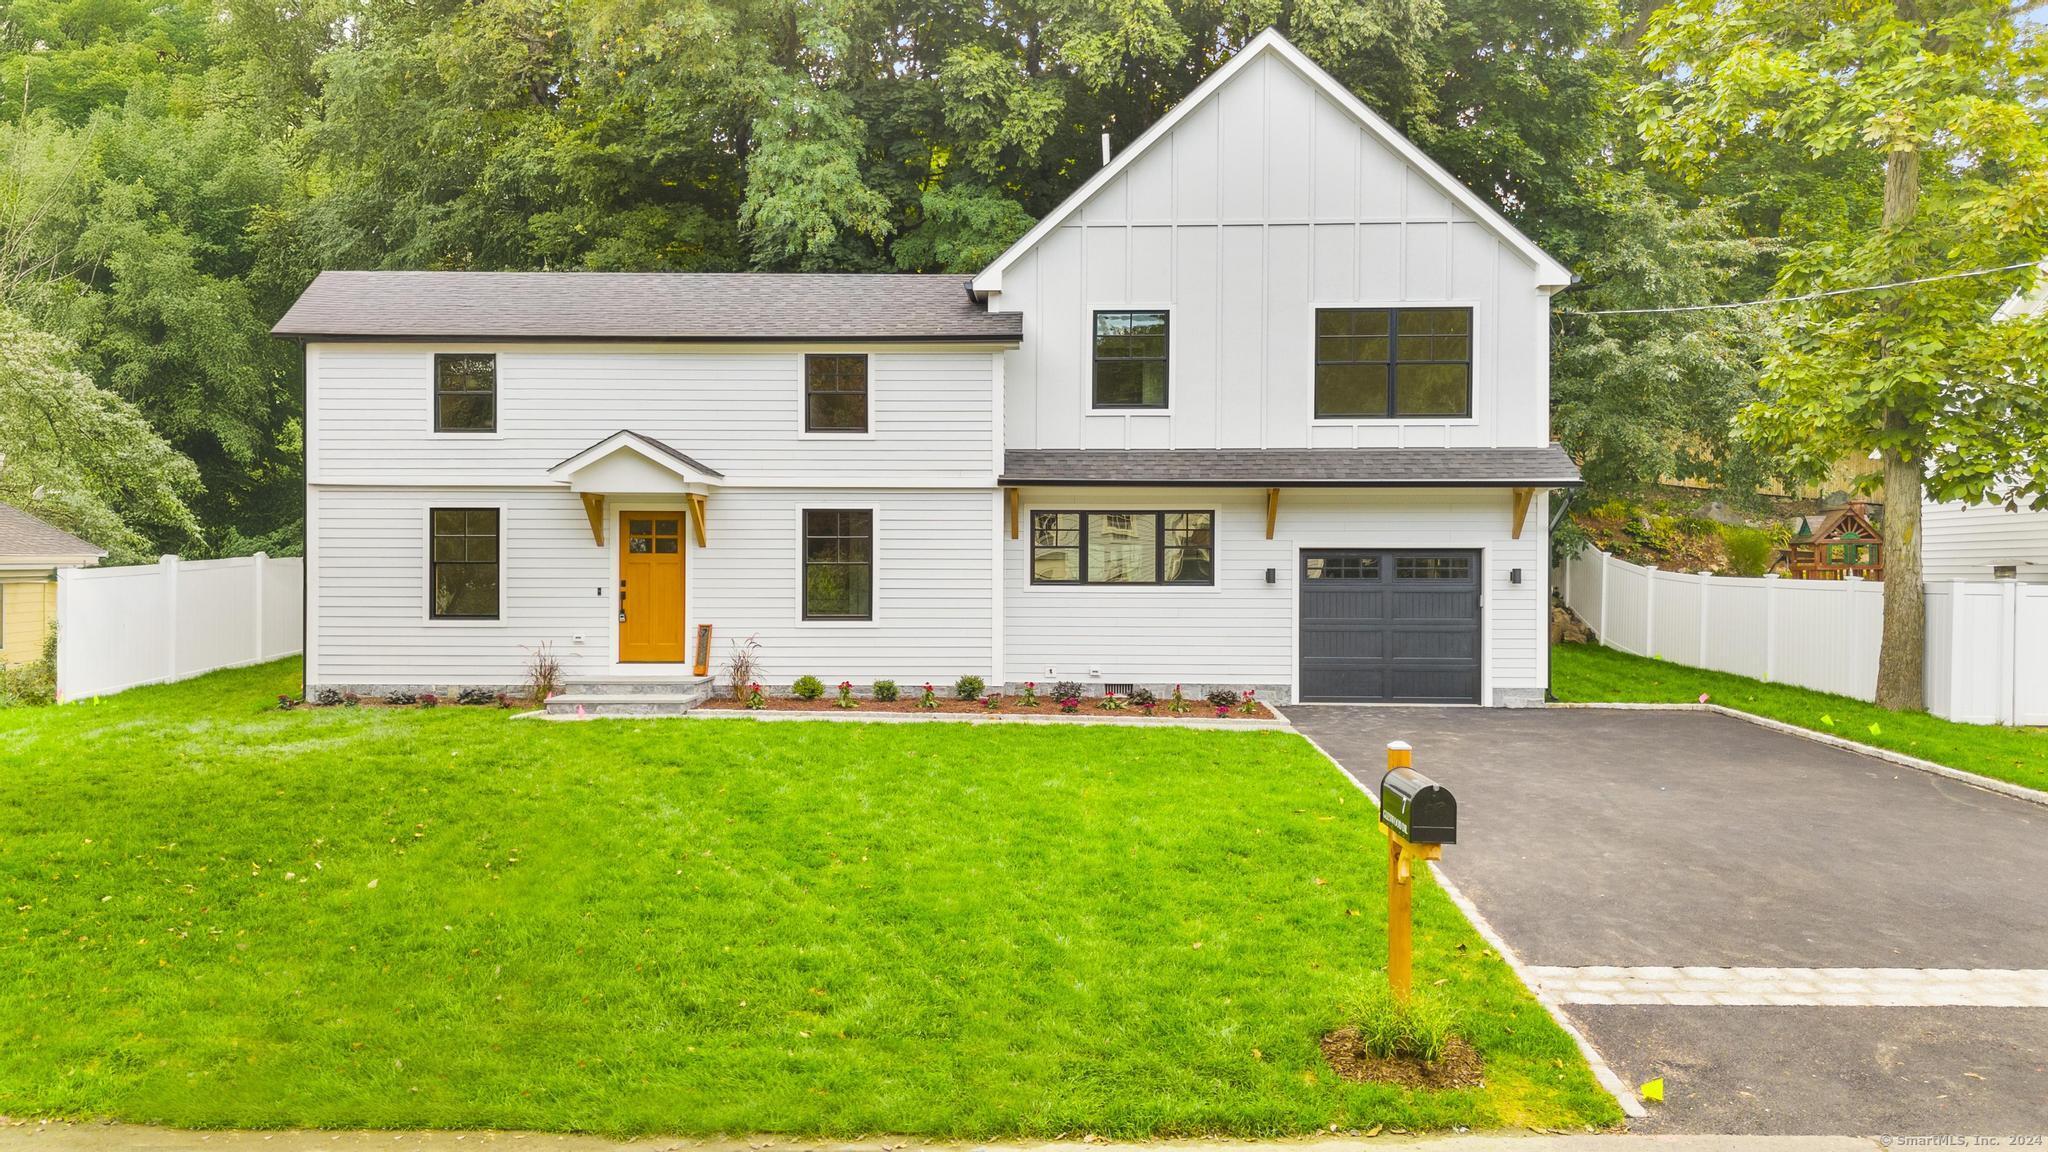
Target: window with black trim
464,569
1385,363
839,564
1433,568
465,392
1123,547
836,393
1130,360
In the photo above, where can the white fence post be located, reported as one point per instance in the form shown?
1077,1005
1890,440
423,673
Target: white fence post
1771,626
1650,611
1606,578
1705,585
168,565
2008,652
256,616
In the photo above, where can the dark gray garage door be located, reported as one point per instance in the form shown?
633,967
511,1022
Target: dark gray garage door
1390,627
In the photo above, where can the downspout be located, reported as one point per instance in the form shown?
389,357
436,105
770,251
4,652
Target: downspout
1564,504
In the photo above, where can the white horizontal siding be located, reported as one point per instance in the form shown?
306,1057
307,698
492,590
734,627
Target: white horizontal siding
735,410
1241,630
1965,542
1260,206
933,615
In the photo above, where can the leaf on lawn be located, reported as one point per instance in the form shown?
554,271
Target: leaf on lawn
1827,720
372,884
1875,729
1320,881
1197,944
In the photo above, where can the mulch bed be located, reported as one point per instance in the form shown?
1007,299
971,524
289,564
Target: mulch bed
1197,709
1461,1067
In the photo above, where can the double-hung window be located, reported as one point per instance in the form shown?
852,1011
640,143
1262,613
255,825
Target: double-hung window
1393,363
463,571
836,393
1130,360
1123,547
839,564
465,392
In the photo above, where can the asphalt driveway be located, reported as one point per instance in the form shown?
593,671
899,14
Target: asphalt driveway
1617,848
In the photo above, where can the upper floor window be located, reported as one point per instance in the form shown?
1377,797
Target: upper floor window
839,564
836,393
465,392
1380,363
464,566
1130,360
1123,547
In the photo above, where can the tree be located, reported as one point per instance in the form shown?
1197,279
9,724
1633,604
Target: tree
80,457
1933,110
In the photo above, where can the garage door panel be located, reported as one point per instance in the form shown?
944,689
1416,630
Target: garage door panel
1459,647
1390,626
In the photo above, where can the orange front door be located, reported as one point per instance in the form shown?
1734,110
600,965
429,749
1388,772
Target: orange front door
651,586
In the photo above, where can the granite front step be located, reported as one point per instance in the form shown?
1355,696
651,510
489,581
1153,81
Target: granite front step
619,696
638,686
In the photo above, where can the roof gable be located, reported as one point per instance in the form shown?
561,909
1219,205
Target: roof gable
1549,273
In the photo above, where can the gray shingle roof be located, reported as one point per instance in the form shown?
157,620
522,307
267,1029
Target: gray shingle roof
660,446
643,306
23,536
1296,467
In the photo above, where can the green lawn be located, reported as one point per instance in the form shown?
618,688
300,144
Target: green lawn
221,914
1580,672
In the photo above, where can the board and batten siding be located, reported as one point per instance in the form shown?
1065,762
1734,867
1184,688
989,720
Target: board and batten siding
1243,631
1264,203
931,419
1965,542
934,604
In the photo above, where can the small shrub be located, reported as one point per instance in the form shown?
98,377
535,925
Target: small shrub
504,699
1143,697
884,690
1249,706
1224,698
754,698
35,682
992,702
476,697
1222,711
846,699
1111,703
543,674
1066,688
429,700
401,699
1749,549
1030,697
1070,703
930,700
1149,707
1420,1029
743,667
807,688
1177,704
968,687
350,700
285,702
328,697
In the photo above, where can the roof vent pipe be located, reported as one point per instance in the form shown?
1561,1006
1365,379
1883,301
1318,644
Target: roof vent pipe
1105,149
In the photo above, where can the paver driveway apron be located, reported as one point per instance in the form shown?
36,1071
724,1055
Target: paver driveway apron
1800,939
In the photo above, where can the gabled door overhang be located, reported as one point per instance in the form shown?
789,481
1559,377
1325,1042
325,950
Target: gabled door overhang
628,463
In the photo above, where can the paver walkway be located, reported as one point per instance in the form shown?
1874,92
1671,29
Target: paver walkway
1789,987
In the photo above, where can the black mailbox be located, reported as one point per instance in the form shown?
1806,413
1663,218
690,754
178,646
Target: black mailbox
1418,808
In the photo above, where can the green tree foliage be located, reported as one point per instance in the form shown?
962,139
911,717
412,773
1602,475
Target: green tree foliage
1932,111
82,458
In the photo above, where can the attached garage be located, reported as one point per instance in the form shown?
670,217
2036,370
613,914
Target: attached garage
1390,626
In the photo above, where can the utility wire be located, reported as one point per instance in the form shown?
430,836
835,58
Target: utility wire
1807,296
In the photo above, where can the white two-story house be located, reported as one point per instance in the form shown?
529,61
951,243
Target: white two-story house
1263,404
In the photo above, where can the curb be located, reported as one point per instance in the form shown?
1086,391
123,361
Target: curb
1986,783
1603,1074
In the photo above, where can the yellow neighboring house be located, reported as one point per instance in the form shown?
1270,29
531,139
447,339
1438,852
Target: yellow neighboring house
30,554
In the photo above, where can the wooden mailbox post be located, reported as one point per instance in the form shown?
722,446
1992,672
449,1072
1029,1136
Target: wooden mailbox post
1419,817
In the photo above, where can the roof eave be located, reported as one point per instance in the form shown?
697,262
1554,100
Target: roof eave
1282,482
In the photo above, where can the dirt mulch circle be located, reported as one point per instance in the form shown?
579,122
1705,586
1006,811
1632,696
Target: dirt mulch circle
1197,709
1461,1067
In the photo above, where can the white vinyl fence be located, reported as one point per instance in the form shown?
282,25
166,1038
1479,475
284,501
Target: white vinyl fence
154,623
1987,642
